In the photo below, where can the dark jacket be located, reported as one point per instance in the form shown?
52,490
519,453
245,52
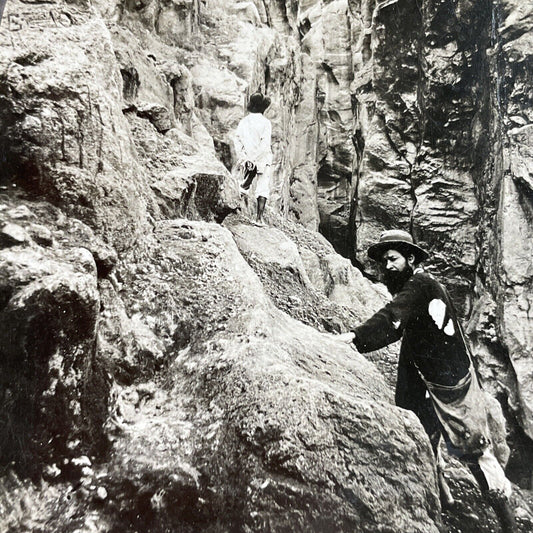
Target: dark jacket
423,314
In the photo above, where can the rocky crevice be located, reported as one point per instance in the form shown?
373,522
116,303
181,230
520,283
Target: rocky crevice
429,122
180,371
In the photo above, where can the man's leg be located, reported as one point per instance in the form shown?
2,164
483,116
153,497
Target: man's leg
435,431
261,202
411,394
494,497
262,192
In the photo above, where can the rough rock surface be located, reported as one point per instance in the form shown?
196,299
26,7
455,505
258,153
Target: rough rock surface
64,136
166,365
263,423
440,124
53,395
304,277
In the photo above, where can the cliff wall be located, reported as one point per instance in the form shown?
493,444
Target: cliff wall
168,366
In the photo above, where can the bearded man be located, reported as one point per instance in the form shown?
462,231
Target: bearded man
436,377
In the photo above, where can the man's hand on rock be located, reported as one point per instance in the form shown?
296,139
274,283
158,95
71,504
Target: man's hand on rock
344,337
347,337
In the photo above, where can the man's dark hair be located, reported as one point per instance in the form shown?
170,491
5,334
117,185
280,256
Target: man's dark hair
258,103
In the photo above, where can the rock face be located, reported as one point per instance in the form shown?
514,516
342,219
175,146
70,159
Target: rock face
240,435
168,366
65,138
441,133
53,393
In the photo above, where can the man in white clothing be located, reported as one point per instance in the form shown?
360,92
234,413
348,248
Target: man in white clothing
254,154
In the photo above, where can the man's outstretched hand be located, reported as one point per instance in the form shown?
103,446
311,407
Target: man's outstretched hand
346,337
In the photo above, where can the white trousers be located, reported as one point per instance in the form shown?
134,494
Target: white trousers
263,183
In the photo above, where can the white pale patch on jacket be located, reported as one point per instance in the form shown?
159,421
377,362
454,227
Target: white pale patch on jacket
449,329
437,311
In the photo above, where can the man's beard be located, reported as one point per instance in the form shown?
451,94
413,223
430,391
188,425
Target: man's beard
395,280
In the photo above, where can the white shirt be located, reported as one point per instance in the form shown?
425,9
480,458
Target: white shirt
252,140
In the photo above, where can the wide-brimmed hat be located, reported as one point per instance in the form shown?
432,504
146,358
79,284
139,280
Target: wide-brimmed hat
396,239
258,103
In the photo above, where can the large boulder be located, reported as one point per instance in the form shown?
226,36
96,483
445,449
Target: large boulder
54,398
264,423
304,277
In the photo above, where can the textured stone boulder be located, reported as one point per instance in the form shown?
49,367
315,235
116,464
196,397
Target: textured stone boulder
64,136
53,397
264,424
86,113
304,277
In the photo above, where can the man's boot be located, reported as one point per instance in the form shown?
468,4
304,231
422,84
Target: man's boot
500,503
